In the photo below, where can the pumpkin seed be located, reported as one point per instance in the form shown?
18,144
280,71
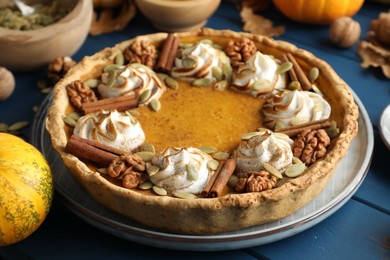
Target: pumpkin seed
159,191
317,90
284,67
35,109
296,160
208,149
4,127
133,120
188,63
332,132
213,164
202,82
152,169
221,156
111,78
233,180
171,83
93,83
184,195
313,74
147,147
227,72
217,73
69,121
206,41
248,136
279,125
46,90
133,112
221,85
271,169
119,59
102,170
294,85
76,116
146,185
18,125
295,170
162,76
155,105
192,171
217,46
145,156
110,67
262,85
144,96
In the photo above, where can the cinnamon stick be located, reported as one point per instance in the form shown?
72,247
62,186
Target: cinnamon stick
121,103
206,190
168,53
92,151
223,178
302,78
292,131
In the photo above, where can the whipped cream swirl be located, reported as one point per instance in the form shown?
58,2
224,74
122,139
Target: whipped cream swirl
266,146
258,68
295,107
182,169
133,79
112,128
204,58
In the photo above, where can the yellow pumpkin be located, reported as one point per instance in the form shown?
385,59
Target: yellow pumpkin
318,11
26,189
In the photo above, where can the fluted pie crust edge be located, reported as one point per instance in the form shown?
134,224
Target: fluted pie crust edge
229,212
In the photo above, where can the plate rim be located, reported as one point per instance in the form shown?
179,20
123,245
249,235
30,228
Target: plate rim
385,139
218,241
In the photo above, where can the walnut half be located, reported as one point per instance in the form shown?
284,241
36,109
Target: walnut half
311,145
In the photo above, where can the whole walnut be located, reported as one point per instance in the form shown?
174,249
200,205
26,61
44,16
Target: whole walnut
344,32
381,27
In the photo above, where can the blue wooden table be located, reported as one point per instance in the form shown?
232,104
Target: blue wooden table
360,229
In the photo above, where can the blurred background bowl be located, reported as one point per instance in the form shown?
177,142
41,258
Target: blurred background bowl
178,15
34,49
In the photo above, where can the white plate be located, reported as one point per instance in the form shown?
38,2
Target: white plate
384,126
346,180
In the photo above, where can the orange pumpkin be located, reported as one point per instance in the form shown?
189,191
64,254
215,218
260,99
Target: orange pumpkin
318,11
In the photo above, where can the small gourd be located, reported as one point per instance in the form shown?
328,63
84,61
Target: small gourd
318,11
26,187
7,83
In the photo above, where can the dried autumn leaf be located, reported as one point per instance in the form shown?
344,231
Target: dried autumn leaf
375,56
258,24
104,20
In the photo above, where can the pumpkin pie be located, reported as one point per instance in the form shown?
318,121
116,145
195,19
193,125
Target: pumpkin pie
202,132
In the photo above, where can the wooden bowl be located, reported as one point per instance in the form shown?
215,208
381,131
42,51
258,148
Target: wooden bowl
34,49
177,15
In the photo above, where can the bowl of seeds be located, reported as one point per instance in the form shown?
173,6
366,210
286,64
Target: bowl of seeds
55,28
177,15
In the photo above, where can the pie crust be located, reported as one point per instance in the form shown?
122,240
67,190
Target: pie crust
230,211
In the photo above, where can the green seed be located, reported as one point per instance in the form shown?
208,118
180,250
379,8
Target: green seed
111,78
92,83
271,169
144,96
184,195
313,74
262,85
213,164
221,85
152,169
295,170
69,121
4,127
188,63
227,72
332,132
202,82
248,136
192,171
120,59
147,147
46,90
155,105
18,125
110,67
208,149
284,67
317,90
171,83
159,191
233,180
146,185
146,156
221,156
294,85
217,73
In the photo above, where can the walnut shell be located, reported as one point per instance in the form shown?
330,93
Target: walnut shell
344,32
7,83
381,27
